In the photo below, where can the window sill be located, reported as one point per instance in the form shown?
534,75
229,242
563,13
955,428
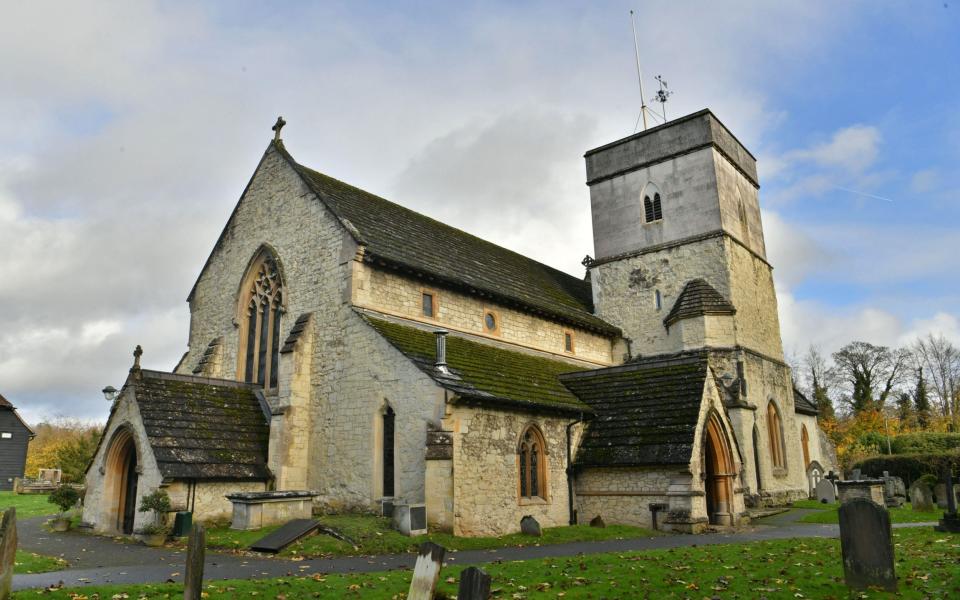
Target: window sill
533,501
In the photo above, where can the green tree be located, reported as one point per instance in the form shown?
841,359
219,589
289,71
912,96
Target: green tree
75,455
905,411
921,399
871,373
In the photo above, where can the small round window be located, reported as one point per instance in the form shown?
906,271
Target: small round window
490,321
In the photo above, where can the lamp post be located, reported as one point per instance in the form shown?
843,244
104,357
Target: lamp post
110,393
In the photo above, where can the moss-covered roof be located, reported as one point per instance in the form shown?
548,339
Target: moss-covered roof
484,372
398,237
645,412
698,298
803,405
201,428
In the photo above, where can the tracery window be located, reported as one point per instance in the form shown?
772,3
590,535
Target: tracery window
775,434
261,307
652,210
532,460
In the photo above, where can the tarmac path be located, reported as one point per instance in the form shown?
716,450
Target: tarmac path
96,560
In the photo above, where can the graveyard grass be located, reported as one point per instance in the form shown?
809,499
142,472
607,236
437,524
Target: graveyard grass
374,535
828,513
28,505
28,562
928,566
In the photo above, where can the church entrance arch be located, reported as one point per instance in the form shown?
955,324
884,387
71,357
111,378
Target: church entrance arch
718,473
120,480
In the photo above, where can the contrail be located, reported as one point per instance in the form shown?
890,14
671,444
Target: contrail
861,193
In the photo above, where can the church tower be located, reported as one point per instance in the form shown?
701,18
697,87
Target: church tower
680,265
676,208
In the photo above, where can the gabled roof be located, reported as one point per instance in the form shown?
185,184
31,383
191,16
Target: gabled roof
484,372
201,428
698,298
646,412
398,237
802,405
5,405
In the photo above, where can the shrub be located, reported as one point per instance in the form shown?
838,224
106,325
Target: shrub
925,443
65,497
159,503
910,467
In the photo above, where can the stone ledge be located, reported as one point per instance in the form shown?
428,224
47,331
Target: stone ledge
280,496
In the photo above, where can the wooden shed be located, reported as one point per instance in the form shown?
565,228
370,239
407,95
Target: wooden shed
15,435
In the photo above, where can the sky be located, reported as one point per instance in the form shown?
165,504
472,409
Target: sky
128,131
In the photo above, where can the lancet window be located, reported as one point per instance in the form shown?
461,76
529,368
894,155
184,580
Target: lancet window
261,310
532,461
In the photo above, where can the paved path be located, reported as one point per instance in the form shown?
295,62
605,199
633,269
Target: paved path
98,560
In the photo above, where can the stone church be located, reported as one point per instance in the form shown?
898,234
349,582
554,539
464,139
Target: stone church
343,344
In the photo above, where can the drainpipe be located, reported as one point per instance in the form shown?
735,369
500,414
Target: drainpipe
570,474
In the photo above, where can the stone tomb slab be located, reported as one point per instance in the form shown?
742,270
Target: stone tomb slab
254,510
286,535
866,545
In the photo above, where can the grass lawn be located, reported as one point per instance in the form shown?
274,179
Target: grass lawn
905,514
28,505
373,535
928,566
28,562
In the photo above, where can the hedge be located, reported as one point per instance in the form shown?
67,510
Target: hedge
911,443
910,467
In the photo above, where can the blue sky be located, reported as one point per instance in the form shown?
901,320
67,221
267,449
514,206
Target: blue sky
129,130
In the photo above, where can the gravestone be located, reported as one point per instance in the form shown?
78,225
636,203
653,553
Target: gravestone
940,491
921,496
530,526
426,572
951,520
474,585
193,580
826,492
597,521
8,550
866,545
894,493
856,475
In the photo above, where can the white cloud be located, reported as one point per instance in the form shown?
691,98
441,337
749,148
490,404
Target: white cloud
852,149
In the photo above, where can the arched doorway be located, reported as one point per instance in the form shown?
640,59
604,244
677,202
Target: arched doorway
120,481
718,473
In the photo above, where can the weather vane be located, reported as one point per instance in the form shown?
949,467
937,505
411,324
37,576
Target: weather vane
662,96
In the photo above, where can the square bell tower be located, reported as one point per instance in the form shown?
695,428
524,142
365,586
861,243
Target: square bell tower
674,205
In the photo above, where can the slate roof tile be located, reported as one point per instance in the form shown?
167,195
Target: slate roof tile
396,236
698,298
203,428
645,412
802,405
484,372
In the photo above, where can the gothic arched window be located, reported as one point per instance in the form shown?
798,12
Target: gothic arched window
775,434
652,210
531,456
261,307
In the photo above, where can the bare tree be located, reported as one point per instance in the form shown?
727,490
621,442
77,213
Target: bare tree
871,373
821,379
940,360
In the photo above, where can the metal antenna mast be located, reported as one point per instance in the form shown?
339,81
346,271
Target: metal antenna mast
643,99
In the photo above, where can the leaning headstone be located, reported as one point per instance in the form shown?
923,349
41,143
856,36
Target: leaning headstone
530,526
921,496
426,572
866,545
597,521
825,491
893,492
474,585
8,550
196,547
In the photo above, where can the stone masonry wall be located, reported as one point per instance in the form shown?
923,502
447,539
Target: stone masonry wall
623,496
625,290
209,498
394,294
100,505
753,295
362,375
486,484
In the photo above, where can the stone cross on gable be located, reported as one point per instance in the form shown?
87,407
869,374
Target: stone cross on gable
137,353
277,127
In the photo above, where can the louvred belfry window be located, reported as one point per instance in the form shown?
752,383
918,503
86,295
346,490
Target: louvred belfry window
652,209
261,310
532,460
